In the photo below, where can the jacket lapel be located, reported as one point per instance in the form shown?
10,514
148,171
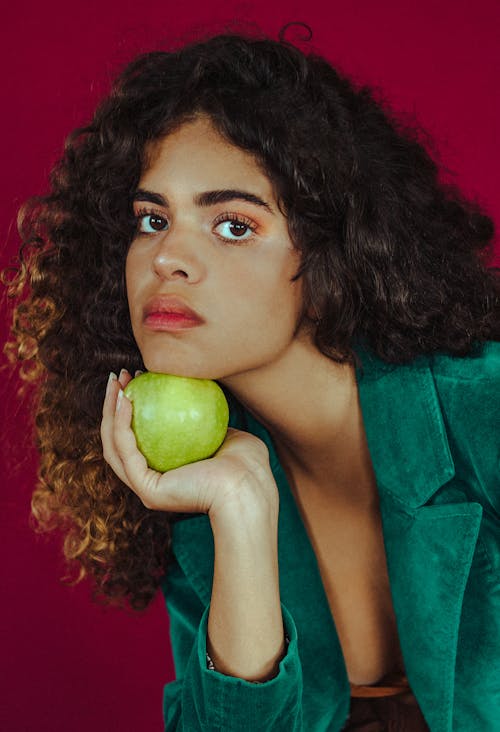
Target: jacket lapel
430,534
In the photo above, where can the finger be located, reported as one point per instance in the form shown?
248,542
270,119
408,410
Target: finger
184,489
108,415
109,406
138,475
196,487
124,377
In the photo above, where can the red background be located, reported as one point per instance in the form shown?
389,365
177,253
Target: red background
68,664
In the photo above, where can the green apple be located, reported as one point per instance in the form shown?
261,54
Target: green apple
176,420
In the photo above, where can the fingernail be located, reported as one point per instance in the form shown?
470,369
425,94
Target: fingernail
112,377
138,372
123,372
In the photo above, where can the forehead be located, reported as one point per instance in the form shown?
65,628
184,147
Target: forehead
196,153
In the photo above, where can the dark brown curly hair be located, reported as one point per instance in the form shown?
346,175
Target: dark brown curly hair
390,254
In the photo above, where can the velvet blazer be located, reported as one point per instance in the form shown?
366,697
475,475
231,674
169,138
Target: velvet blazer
433,433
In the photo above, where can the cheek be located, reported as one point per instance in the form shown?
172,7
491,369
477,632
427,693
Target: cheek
288,290
132,278
274,298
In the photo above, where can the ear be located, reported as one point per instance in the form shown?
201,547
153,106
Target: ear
312,309
312,313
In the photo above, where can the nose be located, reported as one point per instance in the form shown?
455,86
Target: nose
178,257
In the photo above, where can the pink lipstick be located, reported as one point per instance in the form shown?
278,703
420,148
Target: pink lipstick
170,313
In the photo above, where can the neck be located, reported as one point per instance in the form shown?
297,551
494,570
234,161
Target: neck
310,406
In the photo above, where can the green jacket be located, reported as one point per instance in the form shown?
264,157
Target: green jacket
432,430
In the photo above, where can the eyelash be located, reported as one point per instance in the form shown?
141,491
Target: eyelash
142,213
237,218
228,216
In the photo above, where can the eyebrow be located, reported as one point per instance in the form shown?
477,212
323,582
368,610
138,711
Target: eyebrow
207,198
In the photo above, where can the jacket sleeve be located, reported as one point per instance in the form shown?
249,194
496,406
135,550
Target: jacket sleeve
203,700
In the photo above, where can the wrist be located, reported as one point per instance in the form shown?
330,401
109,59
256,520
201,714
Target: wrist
251,504
211,665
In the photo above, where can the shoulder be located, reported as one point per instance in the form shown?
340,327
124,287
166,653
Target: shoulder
468,390
467,387
481,367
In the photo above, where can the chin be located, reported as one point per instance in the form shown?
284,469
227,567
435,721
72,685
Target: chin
173,367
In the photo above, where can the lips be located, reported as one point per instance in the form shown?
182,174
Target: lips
168,312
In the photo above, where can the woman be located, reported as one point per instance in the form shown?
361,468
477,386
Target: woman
238,211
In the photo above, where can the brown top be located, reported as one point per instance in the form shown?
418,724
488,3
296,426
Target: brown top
390,685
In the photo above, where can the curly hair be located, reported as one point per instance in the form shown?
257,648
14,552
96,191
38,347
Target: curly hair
389,253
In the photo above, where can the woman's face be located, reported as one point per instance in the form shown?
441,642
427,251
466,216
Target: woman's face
209,271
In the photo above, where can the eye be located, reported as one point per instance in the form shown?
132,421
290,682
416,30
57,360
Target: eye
233,227
150,222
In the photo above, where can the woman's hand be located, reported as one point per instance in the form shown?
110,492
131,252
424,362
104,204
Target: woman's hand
237,490
237,476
